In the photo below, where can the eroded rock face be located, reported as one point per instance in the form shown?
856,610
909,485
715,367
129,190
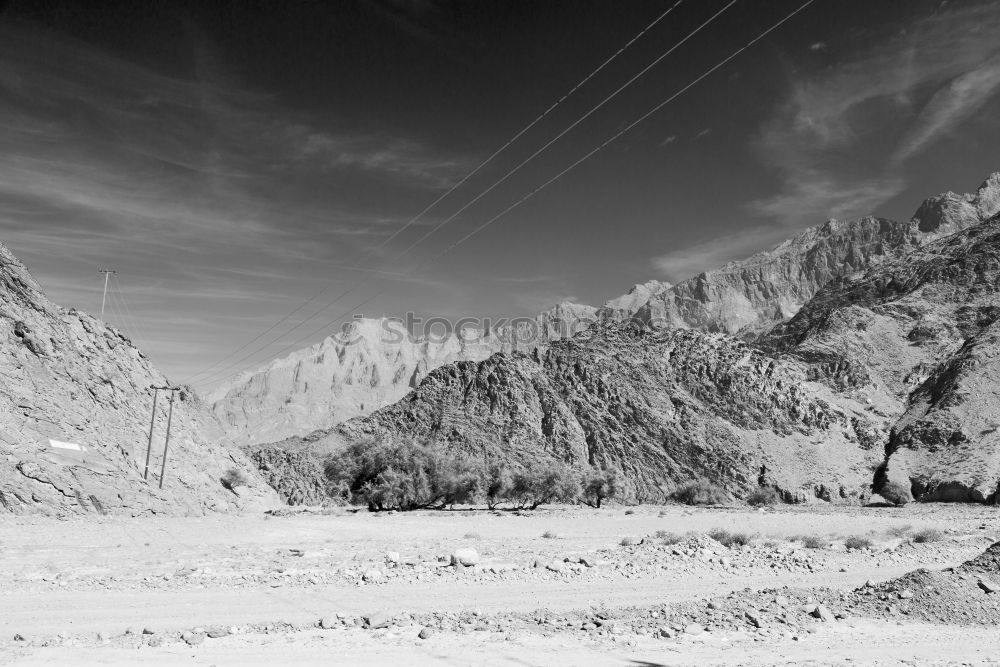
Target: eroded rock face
665,408
749,296
68,377
375,362
917,338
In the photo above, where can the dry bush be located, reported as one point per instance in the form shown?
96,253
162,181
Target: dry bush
700,492
895,493
857,542
900,531
763,496
667,538
233,478
928,535
812,541
628,542
599,484
725,538
550,535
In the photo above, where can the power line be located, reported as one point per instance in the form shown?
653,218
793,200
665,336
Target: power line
559,136
132,321
441,198
565,171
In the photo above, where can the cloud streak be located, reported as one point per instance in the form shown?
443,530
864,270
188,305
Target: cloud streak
894,98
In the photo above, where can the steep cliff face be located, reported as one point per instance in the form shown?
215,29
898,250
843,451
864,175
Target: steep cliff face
770,287
67,377
916,338
375,362
665,408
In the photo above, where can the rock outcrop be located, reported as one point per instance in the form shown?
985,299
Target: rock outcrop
75,411
747,297
917,338
372,363
664,407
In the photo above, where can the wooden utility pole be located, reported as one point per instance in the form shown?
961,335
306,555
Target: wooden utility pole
107,273
152,421
166,442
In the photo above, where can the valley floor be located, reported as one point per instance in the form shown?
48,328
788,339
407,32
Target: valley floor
559,586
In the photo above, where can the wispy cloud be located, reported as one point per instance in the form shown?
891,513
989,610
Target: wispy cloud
689,261
893,99
203,194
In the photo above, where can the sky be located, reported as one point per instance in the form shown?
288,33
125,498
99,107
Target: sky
233,160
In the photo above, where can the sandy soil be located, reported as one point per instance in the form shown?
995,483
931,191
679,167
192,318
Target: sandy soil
82,591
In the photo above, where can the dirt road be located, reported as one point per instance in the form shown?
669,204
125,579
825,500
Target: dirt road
82,592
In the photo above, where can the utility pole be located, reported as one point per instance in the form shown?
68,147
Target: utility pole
152,421
166,443
107,273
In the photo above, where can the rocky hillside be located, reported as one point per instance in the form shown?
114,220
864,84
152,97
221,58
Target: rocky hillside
67,377
917,338
324,385
373,364
665,408
887,374
752,295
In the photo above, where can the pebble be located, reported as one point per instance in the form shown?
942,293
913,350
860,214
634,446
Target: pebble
822,613
426,632
328,622
378,620
989,586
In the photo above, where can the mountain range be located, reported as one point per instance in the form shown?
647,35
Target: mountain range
856,352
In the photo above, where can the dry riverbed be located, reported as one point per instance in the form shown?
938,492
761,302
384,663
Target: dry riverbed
564,585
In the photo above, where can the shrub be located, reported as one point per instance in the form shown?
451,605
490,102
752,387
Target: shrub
763,496
813,542
857,542
550,535
668,538
403,476
700,493
539,485
900,531
727,539
628,542
498,485
895,493
599,484
928,535
233,478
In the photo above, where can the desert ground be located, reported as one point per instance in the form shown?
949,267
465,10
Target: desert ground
557,586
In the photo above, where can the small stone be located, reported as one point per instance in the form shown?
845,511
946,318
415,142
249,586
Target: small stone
822,613
329,622
18,637
426,632
755,620
194,639
989,586
554,566
466,556
155,641
372,575
781,601
392,557
905,594
216,633
378,620
667,633
693,629
148,631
